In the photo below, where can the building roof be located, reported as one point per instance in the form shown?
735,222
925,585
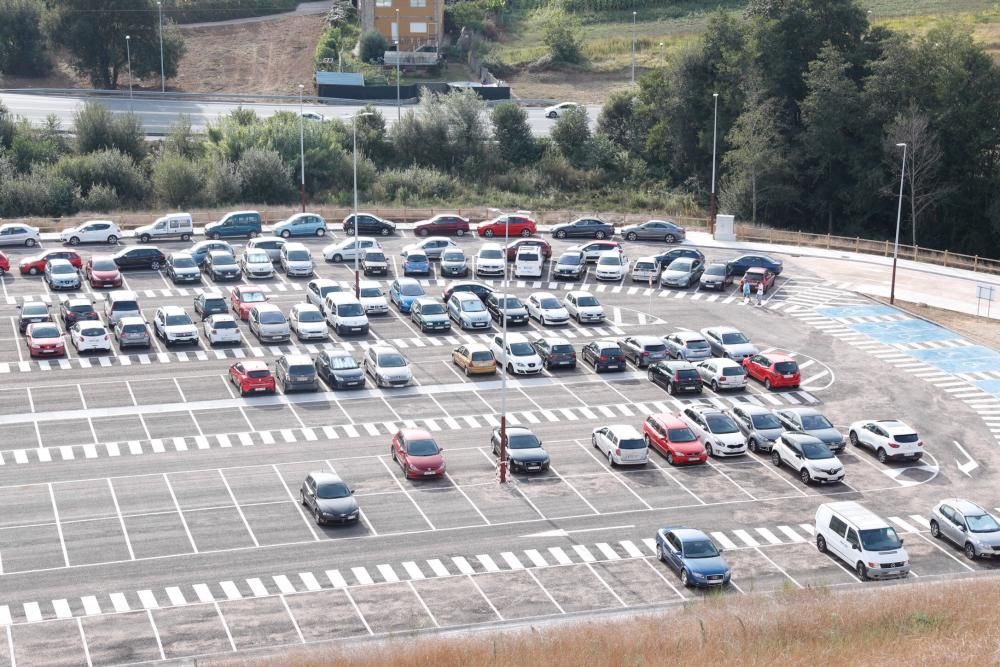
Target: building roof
340,78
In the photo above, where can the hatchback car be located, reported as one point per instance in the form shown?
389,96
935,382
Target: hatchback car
583,307
643,350
808,456
442,224
672,438
506,307
490,261
675,376
220,265
181,267
368,223
508,224
676,253
758,276
513,247
592,251
518,357
199,251
32,312
300,224
813,422
604,355
88,335
295,372
132,332
611,265
210,303
729,342
453,263
417,454
92,231
474,359
570,266
416,262
967,525
655,230
687,345
307,322
349,249
524,450
252,376
43,339
717,275
773,369
591,228
139,257
722,374
721,435
546,308
682,272
759,425
387,366
622,444
468,311
35,264
559,109
479,289
316,291
256,264
101,271
555,353
222,328
646,270
433,247
72,311
372,298
268,323
339,369
272,245
889,438
328,499
430,315
245,297
60,274
404,291
13,233
693,556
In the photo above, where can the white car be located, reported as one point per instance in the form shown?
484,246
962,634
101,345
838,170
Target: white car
387,366
518,357
722,374
808,456
89,335
349,248
93,231
222,328
316,291
256,264
372,298
491,260
557,110
546,308
308,323
646,270
888,438
583,307
622,444
173,325
721,435
611,265
313,116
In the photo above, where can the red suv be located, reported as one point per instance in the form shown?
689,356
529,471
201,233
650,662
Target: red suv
442,224
507,225
774,370
417,453
252,376
670,436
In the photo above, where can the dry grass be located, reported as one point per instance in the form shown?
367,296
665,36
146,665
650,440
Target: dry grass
940,623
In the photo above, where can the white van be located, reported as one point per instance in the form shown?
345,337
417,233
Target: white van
119,304
172,225
862,539
345,313
528,262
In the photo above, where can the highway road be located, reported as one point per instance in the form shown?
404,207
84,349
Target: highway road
159,115
152,513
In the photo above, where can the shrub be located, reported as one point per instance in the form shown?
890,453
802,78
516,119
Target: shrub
41,193
555,172
23,49
413,185
96,129
563,40
264,177
512,134
185,11
372,47
571,134
105,167
180,141
100,199
176,181
222,184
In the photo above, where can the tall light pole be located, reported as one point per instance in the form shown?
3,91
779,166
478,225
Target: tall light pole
633,46
899,216
128,53
711,201
357,274
502,460
163,80
663,57
302,151
398,58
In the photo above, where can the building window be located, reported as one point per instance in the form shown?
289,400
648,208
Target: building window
416,28
418,3
383,3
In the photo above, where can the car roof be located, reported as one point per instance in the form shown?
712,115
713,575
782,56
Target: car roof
555,340
320,282
802,411
675,364
425,300
647,258
801,438
213,295
606,342
647,340
688,336
408,281
368,283
492,245
624,430
468,296
266,306
171,310
777,356
894,426
254,365
409,433
219,253
175,254
33,325
757,269
753,409
964,506
722,329
579,293
725,362
215,317
131,319
325,477
705,409
56,261
476,347
517,430
77,301
862,517
685,534
383,349
305,306
543,295
247,289
298,359
668,420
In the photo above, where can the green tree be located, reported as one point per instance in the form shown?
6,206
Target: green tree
93,33
515,142
620,123
563,40
177,181
571,134
97,129
467,128
22,45
7,127
264,177
372,47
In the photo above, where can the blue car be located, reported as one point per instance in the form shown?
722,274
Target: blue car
740,265
199,251
300,224
404,291
416,262
693,555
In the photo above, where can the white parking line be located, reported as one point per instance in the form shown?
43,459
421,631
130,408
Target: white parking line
298,505
778,567
180,513
225,625
546,591
55,513
609,589
239,509
406,492
121,520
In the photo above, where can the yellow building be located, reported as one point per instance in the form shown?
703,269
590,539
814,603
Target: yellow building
417,25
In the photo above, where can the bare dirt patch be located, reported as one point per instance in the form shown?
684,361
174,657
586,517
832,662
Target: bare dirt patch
582,87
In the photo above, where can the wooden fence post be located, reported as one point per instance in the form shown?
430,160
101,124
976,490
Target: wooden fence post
975,263
827,241
946,258
886,254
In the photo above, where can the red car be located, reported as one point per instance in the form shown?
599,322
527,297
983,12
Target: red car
252,376
513,224
101,271
442,225
44,340
417,453
756,275
243,298
774,370
4,264
513,246
36,263
670,436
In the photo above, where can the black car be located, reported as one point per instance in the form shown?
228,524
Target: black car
208,303
589,228
524,450
569,266
139,257
513,309
604,355
220,265
339,369
677,253
675,376
717,275
479,289
555,353
32,312
329,499
369,225
740,265
75,310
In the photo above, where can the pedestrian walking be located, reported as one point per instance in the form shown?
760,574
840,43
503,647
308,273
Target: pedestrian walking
746,292
760,292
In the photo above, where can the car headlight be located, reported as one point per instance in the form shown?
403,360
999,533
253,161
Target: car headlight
697,575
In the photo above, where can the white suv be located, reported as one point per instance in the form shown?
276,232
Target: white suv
888,438
611,265
491,260
583,306
519,356
173,325
622,444
721,435
808,456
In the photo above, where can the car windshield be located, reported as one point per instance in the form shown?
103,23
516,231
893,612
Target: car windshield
697,344
523,441
765,421
272,317
104,264
370,292
310,316
141,328
332,490
258,258
570,260
93,331
453,257
350,310
432,309
733,371
62,268
224,324
34,309
610,260
816,450
880,539
734,338
700,549
473,306
681,435
303,255
682,264
786,367
411,289
391,360
45,332
342,362
252,297
491,254
422,447
416,258
521,349
715,270
720,424
177,320
982,523
549,303
179,263
510,302
263,373
223,260
811,422
587,301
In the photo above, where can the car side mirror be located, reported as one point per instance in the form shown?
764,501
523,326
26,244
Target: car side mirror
901,540
961,528
856,547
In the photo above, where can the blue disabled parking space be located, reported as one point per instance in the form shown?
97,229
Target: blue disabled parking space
857,311
903,331
989,386
970,359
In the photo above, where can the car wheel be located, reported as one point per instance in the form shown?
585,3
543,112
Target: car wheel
302,497
882,457
30,243
338,258
422,232
767,383
316,516
285,233
560,234
709,449
970,551
632,236
670,458
670,388
600,236
935,529
684,579
715,386
510,368
670,238
552,114
466,371
776,458
862,571
752,445
112,240
821,544
214,236
154,266
854,439
74,240
804,476
33,271
525,233
611,460
488,233
184,237
659,553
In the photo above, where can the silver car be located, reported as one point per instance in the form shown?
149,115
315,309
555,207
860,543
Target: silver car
429,314
967,525
729,342
643,350
687,345
722,374
655,230
14,233
760,426
61,274
812,421
682,272
453,263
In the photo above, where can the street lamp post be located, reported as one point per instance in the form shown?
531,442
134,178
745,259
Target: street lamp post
357,273
633,45
502,460
899,216
663,58
163,81
711,201
302,151
398,58
128,54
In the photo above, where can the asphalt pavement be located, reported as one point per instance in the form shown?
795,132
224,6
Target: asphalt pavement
153,513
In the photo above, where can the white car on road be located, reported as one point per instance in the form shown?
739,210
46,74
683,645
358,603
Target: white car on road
222,328
307,322
622,444
546,308
519,355
888,438
557,110
89,335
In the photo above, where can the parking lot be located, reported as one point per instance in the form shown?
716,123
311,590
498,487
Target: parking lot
154,512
